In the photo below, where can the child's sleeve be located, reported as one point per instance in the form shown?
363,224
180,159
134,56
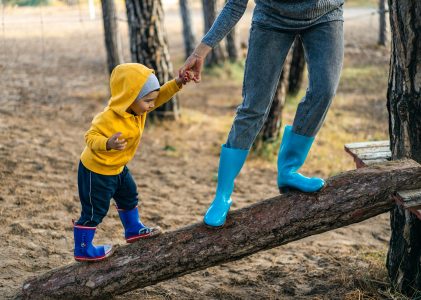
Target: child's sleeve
95,137
166,92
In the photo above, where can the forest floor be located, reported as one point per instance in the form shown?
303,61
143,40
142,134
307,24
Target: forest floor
53,80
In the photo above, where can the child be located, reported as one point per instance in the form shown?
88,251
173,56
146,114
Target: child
111,143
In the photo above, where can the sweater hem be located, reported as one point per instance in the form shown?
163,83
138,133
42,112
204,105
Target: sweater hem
106,170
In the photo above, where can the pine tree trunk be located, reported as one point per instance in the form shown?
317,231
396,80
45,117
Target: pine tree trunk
382,21
216,56
404,105
272,127
298,63
231,45
189,39
149,46
112,37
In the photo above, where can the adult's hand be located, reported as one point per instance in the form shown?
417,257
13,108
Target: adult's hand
195,61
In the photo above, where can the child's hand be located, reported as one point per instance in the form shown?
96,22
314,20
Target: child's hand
114,143
184,78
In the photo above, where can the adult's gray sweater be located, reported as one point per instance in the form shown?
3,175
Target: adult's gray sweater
275,14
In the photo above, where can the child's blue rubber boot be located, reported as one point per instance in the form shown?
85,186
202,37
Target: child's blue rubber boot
84,249
292,155
133,227
230,164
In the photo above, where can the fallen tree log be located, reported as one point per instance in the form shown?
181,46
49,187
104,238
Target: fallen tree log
348,198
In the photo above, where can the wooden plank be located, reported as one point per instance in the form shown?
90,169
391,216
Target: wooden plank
375,155
410,198
370,150
367,144
370,162
369,153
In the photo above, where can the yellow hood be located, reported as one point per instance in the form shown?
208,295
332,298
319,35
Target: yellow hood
126,82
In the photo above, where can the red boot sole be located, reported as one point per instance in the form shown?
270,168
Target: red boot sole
94,259
155,232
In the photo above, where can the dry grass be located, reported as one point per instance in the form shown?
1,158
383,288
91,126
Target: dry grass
361,3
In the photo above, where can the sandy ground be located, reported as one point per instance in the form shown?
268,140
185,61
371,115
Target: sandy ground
53,80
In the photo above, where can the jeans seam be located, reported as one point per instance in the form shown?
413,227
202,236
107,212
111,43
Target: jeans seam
90,196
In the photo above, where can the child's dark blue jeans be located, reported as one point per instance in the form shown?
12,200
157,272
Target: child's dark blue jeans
96,191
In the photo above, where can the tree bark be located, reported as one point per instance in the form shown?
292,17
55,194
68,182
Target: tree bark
189,39
231,45
404,105
298,63
348,198
112,37
149,46
272,127
382,23
216,56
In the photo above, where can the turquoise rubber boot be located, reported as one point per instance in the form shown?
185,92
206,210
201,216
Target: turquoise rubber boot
292,155
230,164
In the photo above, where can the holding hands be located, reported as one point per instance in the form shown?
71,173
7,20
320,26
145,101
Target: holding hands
194,64
184,78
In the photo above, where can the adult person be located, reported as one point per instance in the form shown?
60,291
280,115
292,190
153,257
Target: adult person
275,24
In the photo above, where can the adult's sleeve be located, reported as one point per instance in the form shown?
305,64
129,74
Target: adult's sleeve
225,22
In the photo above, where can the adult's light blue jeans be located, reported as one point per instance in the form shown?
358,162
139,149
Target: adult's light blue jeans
268,48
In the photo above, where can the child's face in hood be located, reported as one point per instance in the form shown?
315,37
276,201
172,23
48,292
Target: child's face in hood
144,104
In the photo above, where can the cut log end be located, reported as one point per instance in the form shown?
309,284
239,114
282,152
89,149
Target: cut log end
378,152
